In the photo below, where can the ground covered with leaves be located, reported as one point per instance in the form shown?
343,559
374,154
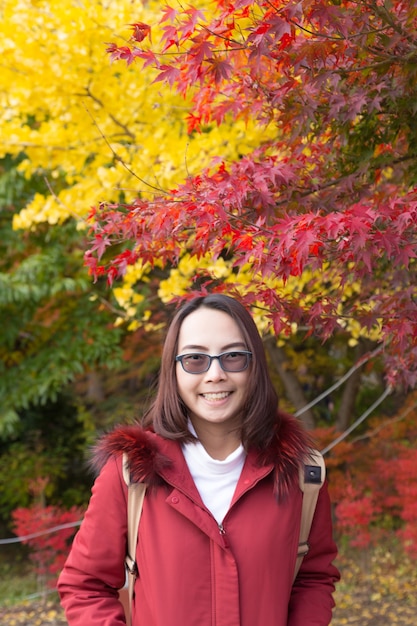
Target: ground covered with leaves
377,589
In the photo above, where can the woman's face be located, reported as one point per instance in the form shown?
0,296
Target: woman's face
215,396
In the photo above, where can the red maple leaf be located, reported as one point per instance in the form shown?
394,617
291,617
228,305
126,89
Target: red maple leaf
140,31
169,14
220,68
168,73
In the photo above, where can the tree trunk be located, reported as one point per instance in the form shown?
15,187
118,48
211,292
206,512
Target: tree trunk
95,391
350,392
290,381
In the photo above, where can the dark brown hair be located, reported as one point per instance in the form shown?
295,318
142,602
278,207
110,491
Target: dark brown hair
168,414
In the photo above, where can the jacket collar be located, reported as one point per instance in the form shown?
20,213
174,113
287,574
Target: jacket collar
154,460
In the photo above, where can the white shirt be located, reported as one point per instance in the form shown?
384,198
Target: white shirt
215,480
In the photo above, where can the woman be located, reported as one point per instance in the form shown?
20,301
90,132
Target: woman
219,529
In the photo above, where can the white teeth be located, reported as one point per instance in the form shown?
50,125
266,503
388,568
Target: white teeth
216,396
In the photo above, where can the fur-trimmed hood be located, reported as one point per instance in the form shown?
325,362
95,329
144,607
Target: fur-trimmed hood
148,454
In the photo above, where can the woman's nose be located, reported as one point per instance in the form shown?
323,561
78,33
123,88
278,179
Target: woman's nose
215,371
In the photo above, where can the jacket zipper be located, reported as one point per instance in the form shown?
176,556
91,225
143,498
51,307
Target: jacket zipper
222,532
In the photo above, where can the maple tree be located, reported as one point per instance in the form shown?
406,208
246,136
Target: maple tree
332,193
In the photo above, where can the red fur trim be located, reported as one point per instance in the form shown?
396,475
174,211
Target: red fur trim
287,452
145,459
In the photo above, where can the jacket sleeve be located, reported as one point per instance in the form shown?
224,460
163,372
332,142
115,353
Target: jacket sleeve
94,571
311,600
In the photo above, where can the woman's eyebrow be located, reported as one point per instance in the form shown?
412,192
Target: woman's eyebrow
229,346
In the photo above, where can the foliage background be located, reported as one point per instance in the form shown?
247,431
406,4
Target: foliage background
77,131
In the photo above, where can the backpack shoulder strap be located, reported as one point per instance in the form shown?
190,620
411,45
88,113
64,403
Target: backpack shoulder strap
136,495
312,477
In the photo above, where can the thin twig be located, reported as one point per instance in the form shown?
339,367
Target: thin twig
119,158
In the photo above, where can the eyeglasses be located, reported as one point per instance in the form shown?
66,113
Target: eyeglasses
198,363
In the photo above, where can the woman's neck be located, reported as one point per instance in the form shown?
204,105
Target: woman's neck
217,441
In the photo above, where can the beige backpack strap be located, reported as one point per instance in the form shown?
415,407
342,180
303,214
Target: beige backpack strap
312,476
136,495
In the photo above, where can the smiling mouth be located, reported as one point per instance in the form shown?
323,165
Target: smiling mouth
216,396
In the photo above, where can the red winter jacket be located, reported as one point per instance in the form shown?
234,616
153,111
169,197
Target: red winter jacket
191,572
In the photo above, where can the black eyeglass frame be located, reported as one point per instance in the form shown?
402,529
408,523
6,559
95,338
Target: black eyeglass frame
179,359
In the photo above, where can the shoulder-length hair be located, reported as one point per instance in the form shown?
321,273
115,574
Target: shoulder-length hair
168,414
